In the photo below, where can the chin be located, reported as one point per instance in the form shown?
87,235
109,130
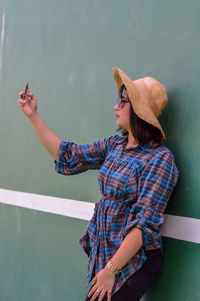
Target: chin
119,124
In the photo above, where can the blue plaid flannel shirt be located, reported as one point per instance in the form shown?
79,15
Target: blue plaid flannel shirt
135,184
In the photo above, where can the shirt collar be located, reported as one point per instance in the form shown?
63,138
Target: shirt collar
148,147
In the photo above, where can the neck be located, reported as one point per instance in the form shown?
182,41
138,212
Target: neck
131,140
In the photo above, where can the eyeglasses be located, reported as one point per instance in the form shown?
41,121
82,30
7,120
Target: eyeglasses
120,102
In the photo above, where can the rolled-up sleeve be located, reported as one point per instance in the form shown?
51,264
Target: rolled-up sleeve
76,158
155,184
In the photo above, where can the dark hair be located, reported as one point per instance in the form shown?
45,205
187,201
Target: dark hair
141,130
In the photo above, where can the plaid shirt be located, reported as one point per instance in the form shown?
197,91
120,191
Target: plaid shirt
135,183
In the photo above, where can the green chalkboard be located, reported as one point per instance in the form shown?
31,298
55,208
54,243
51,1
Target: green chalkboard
66,50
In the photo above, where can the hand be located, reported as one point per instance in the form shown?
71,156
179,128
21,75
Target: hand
29,105
103,281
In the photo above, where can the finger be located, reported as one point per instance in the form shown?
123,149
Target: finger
109,294
94,280
30,94
93,289
22,102
96,294
103,292
21,94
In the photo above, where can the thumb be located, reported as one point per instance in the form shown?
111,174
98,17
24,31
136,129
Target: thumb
94,280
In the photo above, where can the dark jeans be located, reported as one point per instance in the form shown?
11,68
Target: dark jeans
141,281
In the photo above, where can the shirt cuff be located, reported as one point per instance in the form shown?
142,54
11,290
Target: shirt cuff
60,164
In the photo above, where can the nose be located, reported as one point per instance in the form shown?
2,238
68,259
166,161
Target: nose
116,107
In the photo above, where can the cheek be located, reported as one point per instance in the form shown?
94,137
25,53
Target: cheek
127,111
127,115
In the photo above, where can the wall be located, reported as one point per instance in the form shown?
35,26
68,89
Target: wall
66,51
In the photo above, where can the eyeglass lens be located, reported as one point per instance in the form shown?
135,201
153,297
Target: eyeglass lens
120,102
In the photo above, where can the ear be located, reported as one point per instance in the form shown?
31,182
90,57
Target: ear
125,94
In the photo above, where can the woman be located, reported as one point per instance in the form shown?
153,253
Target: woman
137,175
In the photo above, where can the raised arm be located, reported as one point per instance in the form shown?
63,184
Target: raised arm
47,137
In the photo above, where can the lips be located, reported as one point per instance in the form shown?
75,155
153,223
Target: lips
116,115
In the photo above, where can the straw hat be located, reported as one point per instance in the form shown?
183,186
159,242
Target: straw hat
147,95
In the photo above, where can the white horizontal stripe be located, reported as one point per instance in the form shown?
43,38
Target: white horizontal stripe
66,207
181,227
178,227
